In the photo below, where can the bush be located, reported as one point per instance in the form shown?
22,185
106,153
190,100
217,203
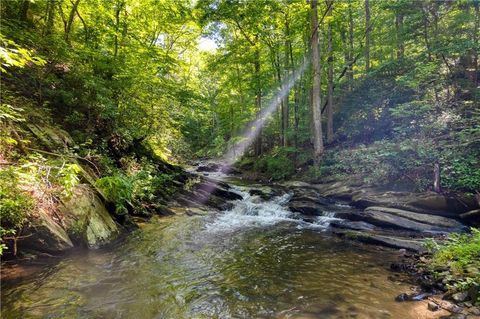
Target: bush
278,164
15,205
117,189
460,253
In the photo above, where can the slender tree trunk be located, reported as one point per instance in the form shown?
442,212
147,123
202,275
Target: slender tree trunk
258,101
436,177
316,98
285,109
330,77
70,20
50,18
475,41
118,9
367,36
23,12
296,119
399,34
240,89
350,46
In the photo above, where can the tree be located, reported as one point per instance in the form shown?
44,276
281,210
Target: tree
367,36
330,75
316,74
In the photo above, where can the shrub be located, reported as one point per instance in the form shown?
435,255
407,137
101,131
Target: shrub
278,164
461,254
117,189
15,205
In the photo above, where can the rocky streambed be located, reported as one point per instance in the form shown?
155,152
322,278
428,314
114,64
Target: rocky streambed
233,249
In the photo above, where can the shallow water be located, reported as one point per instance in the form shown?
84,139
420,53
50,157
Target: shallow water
256,261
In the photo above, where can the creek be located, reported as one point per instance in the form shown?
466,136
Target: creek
256,260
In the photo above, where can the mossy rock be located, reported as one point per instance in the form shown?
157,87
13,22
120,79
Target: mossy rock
86,217
53,138
45,234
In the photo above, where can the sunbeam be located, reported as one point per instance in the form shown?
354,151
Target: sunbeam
252,130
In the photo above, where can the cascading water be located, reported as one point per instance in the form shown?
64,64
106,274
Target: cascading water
253,211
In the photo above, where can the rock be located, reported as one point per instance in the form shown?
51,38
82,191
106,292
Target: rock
427,203
297,184
338,190
474,311
382,219
401,297
433,306
422,218
209,167
474,292
215,189
459,296
472,217
383,240
86,218
47,235
455,316
447,305
52,138
412,297
345,224
306,208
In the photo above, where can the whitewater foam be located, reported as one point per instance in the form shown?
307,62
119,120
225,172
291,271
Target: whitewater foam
252,211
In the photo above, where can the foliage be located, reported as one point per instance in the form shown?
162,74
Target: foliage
13,55
277,165
15,205
117,189
460,253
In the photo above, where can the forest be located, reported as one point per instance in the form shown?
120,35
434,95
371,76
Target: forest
122,121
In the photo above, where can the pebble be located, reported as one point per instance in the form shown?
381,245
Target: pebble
432,306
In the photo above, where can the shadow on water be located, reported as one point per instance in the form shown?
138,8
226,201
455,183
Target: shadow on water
183,267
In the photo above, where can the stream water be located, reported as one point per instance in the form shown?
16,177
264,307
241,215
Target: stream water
254,261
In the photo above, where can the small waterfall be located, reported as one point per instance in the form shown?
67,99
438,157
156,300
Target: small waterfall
252,211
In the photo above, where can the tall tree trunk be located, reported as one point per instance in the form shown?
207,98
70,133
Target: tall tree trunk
71,17
475,41
285,109
367,36
118,8
50,18
399,34
330,77
23,12
296,118
316,98
350,46
436,177
258,101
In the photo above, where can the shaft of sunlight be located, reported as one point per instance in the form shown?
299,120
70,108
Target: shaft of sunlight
253,129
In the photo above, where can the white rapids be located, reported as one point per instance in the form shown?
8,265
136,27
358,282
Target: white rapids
252,211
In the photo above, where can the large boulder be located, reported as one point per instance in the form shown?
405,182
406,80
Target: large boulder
86,217
45,234
49,136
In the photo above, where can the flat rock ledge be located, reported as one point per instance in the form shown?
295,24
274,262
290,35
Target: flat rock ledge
393,219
